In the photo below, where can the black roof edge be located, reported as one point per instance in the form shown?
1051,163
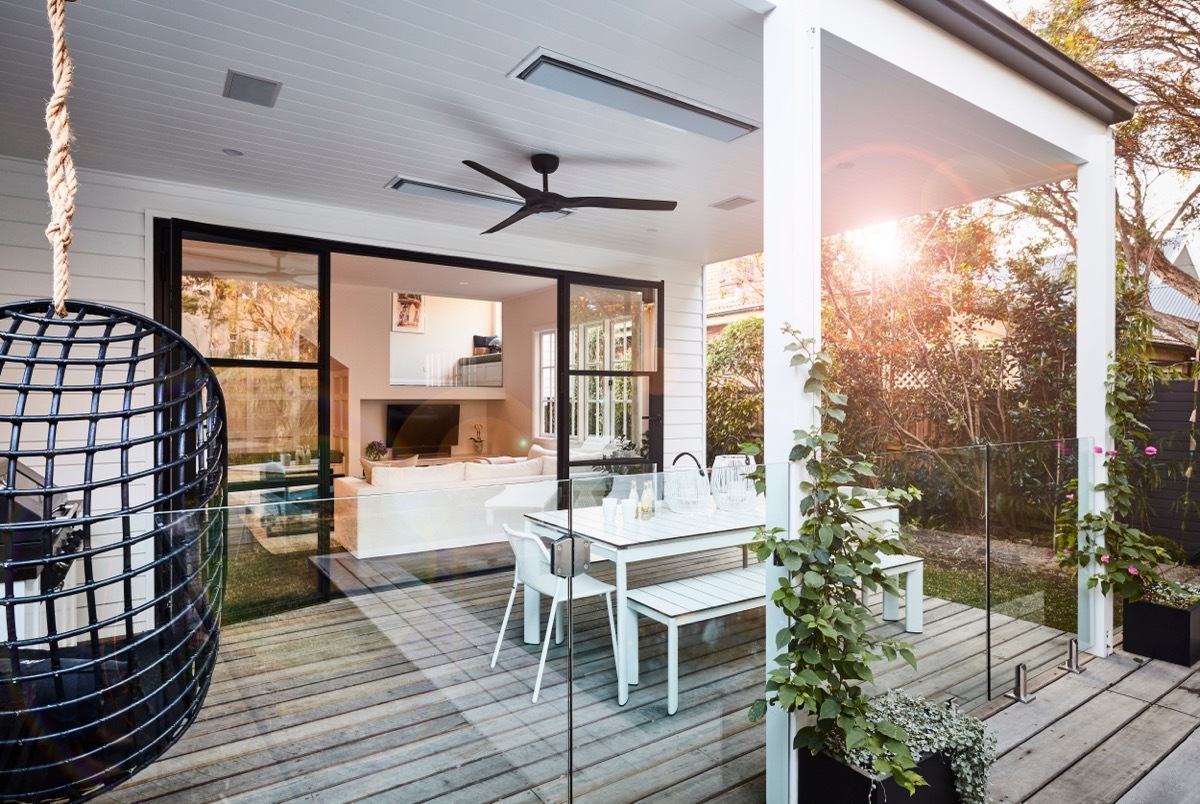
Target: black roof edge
994,33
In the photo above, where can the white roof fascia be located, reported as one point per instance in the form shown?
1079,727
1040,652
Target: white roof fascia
919,47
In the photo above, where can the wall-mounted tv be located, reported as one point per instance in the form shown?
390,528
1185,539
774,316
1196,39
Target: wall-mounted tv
425,428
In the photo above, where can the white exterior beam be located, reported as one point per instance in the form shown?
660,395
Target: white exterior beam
919,47
792,292
1095,334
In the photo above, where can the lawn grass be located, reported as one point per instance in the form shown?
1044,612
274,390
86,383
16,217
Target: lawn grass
1046,598
260,583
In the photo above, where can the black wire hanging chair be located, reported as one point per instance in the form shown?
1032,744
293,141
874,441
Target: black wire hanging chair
112,545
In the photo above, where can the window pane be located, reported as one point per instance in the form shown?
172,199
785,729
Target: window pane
251,303
272,422
619,328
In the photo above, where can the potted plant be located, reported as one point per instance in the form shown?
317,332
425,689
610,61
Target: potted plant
828,648
477,439
1165,623
375,450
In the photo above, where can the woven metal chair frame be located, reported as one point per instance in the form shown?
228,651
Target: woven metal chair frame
112,545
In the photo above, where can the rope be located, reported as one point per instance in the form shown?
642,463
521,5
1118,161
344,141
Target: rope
61,183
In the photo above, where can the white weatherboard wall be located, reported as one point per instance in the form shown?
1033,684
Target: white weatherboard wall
111,257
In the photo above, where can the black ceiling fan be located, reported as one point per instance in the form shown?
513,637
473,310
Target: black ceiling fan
545,201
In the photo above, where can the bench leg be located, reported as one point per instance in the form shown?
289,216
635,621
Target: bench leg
891,606
631,649
672,667
914,600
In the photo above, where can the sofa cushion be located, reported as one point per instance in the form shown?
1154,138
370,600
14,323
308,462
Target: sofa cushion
550,466
401,477
369,466
538,451
498,471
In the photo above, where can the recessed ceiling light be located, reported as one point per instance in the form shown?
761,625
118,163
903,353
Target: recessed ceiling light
587,82
232,152
844,165
444,192
651,231
464,283
251,89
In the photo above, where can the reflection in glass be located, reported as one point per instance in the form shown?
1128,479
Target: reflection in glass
272,420
616,329
249,303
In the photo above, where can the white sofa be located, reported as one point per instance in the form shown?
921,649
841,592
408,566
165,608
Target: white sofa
419,508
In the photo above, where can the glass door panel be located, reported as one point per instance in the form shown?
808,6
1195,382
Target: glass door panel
252,304
613,416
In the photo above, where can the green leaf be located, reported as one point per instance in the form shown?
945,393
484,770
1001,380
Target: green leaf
830,709
813,386
758,711
814,579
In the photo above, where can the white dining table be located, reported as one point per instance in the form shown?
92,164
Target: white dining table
667,534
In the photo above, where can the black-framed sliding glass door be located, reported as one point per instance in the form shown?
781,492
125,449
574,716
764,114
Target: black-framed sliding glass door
253,306
609,345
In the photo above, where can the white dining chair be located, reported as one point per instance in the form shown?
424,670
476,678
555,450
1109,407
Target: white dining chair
533,569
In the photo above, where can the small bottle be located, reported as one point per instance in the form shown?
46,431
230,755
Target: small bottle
647,509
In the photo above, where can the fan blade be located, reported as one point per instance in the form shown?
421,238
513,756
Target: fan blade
518,188
617,203
523,212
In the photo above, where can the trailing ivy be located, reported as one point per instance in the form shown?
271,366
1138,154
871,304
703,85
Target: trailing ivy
827,648
934,729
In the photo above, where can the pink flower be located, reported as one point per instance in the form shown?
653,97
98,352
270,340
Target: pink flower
1098,450
1151,451
1132,570
1112,453
1066,553
1058,445
1070,496
1103,559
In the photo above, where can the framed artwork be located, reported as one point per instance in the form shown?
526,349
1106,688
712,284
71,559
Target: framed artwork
408,312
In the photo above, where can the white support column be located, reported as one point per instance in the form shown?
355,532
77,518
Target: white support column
792,292
1095,341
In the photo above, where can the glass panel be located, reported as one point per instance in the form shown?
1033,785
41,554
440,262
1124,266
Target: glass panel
272,422
253,303
946,529
1034,601
720,663
613,413
415,681
617,329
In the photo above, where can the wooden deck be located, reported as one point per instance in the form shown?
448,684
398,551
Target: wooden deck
386,695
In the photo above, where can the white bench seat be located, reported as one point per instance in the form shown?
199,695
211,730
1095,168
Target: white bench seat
690,600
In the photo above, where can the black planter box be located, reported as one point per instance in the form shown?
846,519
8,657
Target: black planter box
824,777
1163,632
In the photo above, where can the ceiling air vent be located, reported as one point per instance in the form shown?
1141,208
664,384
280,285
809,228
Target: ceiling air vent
584,81
732,203
251,89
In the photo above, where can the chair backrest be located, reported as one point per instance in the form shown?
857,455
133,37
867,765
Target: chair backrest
533,558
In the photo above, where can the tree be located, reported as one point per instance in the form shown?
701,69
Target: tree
1149,49
735,385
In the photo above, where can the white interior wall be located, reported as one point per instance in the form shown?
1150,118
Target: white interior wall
429,357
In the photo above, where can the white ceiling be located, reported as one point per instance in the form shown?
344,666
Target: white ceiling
372,89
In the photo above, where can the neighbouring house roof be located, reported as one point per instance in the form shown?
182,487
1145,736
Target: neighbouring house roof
991,31
1166,299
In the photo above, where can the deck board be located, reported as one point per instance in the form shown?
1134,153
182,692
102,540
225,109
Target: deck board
385,694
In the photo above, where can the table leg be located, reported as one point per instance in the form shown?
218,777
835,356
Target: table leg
914,600
623,631
533,610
